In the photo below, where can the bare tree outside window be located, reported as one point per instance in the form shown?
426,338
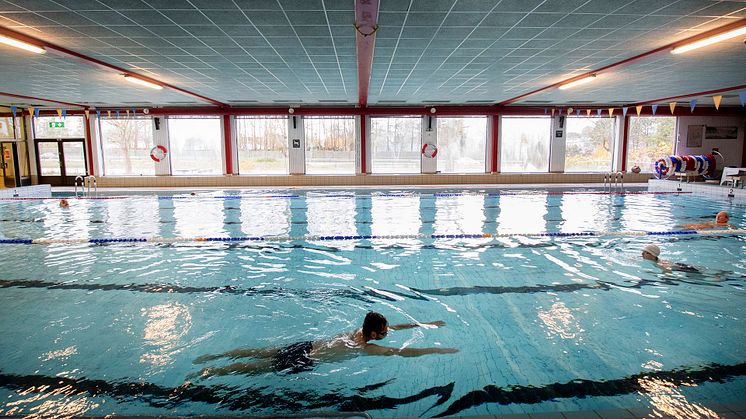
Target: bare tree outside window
262,145
462,144
330,145
524,144
395,144
589,144
649,138
126,146
195,146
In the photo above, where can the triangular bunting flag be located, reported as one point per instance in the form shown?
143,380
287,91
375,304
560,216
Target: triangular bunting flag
134,112
624,111
117,114
716,100
30,111
611,112
108,113
59,113
98,114
128,113
742,96
87,113
692,105
559,111
36,112
672,105
654,108
13,111
64,114
577,112
588,112
552,111
545,111
638,108
598,112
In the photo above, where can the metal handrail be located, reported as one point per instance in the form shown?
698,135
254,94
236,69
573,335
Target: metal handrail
82,185
91,180
617,178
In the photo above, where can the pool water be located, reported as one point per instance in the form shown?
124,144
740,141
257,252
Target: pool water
542,324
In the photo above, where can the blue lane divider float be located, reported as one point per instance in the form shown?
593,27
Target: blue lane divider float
371,237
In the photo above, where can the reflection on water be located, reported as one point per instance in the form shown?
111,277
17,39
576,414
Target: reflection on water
166,325
560,321
43,402
667,400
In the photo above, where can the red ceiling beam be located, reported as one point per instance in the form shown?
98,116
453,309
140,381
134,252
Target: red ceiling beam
366,25
90,60
38,99
706,92
629,60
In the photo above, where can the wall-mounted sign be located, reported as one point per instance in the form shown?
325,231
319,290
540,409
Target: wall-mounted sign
558,133
56,125
296,142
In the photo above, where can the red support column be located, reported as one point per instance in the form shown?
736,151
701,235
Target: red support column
363,141
495,141
227,137
89,146
625,141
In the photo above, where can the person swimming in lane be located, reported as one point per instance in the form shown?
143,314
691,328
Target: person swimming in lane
302,356
721,221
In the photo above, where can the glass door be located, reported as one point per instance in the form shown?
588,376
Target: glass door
60,161
8,164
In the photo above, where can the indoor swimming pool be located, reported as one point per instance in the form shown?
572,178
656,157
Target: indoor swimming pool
105,305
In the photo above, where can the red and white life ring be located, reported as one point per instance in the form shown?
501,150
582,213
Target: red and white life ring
429,150
158,153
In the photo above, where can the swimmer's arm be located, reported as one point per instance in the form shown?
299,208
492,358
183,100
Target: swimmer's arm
373,349
238,353
437,323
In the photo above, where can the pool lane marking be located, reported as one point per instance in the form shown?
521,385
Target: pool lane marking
310,238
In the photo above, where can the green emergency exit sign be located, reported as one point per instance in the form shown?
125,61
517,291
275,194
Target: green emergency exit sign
56,125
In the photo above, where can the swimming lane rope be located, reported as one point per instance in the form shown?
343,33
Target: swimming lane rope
371,237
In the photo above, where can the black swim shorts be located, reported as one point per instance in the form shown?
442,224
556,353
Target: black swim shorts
294,358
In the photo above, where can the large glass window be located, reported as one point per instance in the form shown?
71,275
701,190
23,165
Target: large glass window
6,127
462,143
395,144
195,147
126,146
262,145
589,145
330,145
57,127
524,144
648,139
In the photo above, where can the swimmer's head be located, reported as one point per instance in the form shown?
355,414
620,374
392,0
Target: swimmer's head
64,203
651,252
722,217
375,326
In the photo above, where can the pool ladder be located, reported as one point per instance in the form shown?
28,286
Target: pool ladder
85,183
614,182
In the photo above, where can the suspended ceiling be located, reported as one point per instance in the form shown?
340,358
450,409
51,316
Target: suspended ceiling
267,52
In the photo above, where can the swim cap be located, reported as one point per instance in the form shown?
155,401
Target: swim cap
652,249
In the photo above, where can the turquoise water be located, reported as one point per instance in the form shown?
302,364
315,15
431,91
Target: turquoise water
541,324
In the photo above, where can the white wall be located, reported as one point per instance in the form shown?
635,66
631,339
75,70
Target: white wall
732,150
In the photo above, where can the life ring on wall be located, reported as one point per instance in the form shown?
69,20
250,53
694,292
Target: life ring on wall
429,150
158,153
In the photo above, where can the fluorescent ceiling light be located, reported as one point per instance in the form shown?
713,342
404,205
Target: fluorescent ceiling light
709,41
578,82
22,45
141,82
